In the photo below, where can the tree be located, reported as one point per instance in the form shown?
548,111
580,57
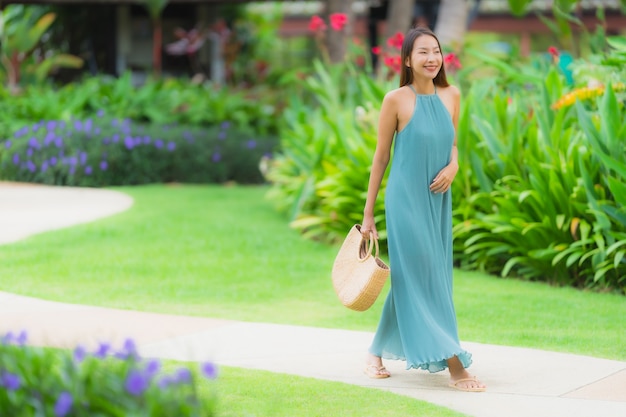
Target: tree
155,9
337,39
452,23
399,17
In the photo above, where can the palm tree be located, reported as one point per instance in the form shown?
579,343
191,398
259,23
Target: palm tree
452,23
399,17
336,40
155,9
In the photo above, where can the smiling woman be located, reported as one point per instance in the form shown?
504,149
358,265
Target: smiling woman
418,323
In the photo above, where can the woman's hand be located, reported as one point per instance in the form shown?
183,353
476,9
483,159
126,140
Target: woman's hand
443,180
368,226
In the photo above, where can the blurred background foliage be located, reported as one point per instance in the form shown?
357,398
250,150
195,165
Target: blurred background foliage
539,195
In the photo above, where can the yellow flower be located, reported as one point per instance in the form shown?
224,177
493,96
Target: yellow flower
583,93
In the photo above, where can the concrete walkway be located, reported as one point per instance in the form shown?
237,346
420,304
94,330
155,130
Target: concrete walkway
522,382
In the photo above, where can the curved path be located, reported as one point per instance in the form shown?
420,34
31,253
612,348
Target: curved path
522,382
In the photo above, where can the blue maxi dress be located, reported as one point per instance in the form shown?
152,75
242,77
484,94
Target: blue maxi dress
418,322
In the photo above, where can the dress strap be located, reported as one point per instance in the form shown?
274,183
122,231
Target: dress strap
413,89
435,85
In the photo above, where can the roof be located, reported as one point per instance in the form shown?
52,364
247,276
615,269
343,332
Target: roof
501,6
360,6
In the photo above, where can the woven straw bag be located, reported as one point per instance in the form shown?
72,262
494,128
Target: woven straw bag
358,275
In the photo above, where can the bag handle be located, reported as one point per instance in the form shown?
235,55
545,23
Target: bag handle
369,247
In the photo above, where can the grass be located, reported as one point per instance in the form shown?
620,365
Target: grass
289,396
224,252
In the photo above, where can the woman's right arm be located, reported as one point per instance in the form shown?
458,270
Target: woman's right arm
387,125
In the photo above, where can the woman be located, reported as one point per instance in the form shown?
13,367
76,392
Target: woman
418,322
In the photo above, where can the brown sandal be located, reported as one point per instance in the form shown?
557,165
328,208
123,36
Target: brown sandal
376,372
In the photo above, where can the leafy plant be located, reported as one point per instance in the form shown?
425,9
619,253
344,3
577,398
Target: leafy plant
116,383
104,151
320,175
21,29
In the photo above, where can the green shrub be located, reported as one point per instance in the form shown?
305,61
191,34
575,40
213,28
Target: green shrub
539,193
101,151
51,382
328,139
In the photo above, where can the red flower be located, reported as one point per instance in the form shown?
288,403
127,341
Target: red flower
396,40
452,61
553,51
338,21
394,63
317,24
376,50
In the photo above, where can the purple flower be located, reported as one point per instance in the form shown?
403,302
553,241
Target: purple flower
146,140
7,144
88,125
22,338
183,376
103,350
53,161
44,166
16,159
158,143
104,165
165,382
78,125
221,135
82,157
115,138
23,131
30,165
100,113
171,146
209,370
58,142
64,404
128,350
88,170
136,383
225,125
51,125
216,157
251,144
29,152
8,338
10,381
129,142
50,136
79,353
152,368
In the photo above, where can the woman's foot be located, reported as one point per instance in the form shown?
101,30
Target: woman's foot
469,383
374,367
461,379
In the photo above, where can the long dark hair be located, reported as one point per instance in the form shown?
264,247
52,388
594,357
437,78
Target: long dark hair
406,76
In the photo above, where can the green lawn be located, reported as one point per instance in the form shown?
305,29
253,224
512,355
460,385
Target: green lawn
224,252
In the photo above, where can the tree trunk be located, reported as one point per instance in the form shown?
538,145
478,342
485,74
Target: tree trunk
157,45
399,18
336,41
452,23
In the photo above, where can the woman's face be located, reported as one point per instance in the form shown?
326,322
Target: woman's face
426,58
